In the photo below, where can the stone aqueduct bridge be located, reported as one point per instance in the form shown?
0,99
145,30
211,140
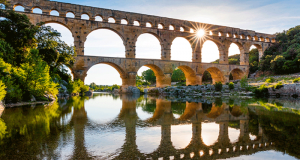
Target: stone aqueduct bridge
222,36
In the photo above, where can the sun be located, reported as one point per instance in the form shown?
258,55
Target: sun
200,33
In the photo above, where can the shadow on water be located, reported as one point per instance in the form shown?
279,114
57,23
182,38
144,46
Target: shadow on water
60,130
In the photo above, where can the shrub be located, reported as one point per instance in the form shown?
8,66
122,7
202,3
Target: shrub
262,91
244,82
2,90
218,86
278,85
270,80
231,86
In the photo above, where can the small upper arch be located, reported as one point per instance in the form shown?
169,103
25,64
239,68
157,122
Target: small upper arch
36,9
149,24
160,26
111,20
54,12
136,23
124,21
19,7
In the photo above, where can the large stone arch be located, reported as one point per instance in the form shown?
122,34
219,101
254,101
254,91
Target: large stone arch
111,29
187,40
156,36
216,75
191,77
105,30
260,49
237,73
223,51
162,79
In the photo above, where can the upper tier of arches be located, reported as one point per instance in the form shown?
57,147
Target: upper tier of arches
141,20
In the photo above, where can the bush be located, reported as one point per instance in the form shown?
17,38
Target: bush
244,82
2,90
262,91
270,80
218,86
278,85
231,86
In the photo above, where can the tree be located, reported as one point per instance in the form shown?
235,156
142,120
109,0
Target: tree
149,76
178,76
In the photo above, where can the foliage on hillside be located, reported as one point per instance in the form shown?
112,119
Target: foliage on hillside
284,56
31,58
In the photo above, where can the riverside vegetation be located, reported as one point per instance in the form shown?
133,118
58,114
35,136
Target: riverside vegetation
32,61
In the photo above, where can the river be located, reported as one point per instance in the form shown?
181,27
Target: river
107,126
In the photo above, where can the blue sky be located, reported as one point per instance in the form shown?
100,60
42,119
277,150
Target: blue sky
266,16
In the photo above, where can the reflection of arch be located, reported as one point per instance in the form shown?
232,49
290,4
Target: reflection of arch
216,75
236,111
237,74
215,111
190,75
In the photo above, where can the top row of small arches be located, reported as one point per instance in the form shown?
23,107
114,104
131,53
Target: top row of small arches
85,16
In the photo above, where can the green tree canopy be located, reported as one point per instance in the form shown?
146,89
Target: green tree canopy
149,76
178,76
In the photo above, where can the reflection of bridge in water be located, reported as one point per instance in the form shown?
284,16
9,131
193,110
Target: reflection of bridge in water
164,117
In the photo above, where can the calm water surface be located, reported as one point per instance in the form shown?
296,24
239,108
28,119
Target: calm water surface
128,127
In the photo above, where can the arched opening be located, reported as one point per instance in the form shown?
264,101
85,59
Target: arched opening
85,16
103,117
171,27
181,29
104,42
106,74
216,75
160,26
181,135
236,74
19,8
148,24
192,30
111,20
206,78
220,34
235,35
136,23
54,13
184,75
142,139
242,36
70,15
98,18
148,46
37,10
66,34
124,21
152,74
210,33
210,52
210,133
181,50
255,38
249,37
234,54
233,133
255,53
